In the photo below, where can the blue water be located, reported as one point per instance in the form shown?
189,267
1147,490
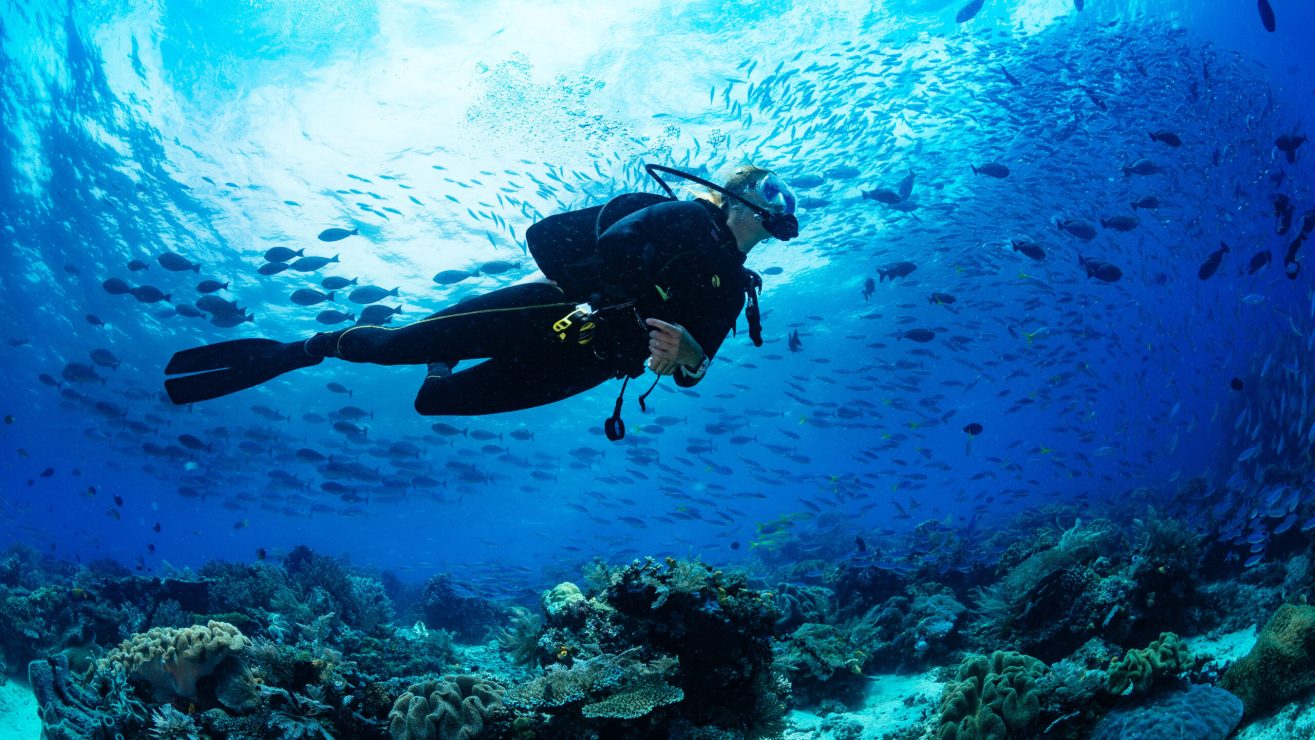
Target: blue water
441,133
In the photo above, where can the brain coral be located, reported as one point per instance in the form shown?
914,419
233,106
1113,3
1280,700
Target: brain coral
172,659
451,708
1199,713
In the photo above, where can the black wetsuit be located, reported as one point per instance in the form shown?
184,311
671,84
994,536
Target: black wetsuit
677,261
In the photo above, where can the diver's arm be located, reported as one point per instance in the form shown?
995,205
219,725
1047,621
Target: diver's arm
672,348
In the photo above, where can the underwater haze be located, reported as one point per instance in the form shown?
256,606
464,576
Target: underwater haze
1035,389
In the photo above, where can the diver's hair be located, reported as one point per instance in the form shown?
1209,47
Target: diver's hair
740,180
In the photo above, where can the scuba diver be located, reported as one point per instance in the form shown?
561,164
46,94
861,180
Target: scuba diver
643,277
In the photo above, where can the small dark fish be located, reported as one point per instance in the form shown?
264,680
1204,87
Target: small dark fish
1081,229
967,12
1258,262
1100,270
261,554
228,321
882,195
497,267
774,270
310,264
177,263
1012,79
156,527
1120,223
869,287
309,297
115,286
1146,201
973,429
210,286
1267,16
1236,384
94,320
9,418
735,544
917,335
1289,144
336,234
944,299
1166,137
149,294
377,314
1284,211
370,294
793,341
1141,167
137,266
843,172
330,318
1029,249
339,388
47,472
281,254
860,544
1211,263
242,524
896,270
272,268
452,277
335,282
991,169
105,358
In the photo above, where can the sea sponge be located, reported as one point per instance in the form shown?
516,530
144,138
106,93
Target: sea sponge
451,708
1280,665
1137,671
993,697
171,659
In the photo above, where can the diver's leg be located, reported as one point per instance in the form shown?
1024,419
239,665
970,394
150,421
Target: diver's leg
503,322
511,383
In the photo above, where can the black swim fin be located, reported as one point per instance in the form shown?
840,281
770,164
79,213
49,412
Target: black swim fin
228,367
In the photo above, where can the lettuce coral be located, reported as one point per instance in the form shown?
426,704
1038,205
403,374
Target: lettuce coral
1138,670
451,708
171,660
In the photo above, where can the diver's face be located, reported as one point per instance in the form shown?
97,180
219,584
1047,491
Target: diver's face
746,225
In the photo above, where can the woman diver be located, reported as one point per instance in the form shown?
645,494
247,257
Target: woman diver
644,276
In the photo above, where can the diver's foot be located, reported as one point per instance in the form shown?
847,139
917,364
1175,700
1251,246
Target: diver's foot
439,370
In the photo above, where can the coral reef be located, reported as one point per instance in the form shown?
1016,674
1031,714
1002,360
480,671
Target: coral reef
1197,713
450,708
1139,671
1280,665
171,660
991,697
444,607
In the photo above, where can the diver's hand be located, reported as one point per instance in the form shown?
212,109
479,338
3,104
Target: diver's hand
670,345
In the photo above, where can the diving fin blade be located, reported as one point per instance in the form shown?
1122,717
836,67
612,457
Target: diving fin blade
233,353
233,366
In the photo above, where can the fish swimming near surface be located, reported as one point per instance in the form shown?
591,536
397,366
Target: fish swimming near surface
1258,261
370,294
177,263
282,254
138,265
452,277
1012,79
115,286
335,234
1211,263
967,12
334,282
272,268
794,342
149,294
210,286
1100,270
1267,16
310,264
896,270
944,299
991,169
309,297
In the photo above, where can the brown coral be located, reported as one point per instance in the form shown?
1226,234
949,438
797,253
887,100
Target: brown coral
172,659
